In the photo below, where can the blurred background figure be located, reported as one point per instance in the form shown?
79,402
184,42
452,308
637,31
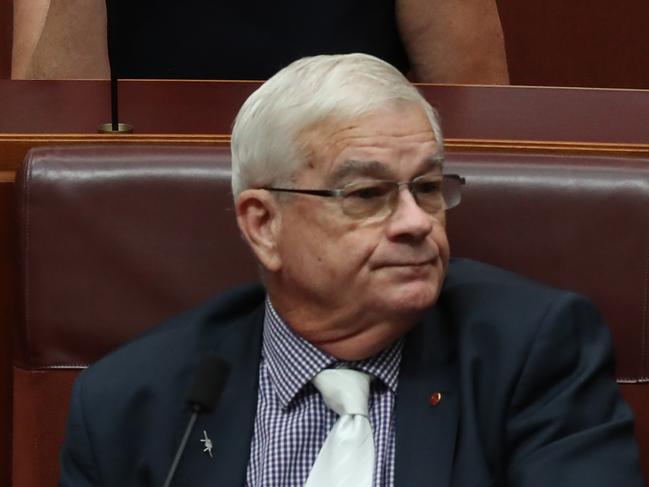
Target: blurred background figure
432,40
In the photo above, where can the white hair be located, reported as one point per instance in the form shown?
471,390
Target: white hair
265,149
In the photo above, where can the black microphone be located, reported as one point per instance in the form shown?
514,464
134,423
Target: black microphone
209,379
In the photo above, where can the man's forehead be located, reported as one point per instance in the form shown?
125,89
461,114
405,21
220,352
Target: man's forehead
390,142
390,116
382,169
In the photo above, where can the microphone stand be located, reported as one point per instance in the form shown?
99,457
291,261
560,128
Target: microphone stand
209,379
183,444
115,126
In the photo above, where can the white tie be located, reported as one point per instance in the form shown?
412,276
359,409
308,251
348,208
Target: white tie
347,457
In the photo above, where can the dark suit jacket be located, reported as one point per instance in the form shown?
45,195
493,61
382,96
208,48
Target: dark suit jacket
525,371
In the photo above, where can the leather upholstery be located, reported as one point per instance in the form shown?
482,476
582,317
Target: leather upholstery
574,222
116,238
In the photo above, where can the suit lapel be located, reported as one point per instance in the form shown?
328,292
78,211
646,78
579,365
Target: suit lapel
426,433
230,426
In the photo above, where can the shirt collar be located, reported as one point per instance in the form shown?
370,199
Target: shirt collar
292,361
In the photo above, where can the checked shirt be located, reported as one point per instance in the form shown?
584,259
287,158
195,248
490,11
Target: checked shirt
292,420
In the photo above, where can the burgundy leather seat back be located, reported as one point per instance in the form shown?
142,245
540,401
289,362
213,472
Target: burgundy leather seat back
116,238
575,222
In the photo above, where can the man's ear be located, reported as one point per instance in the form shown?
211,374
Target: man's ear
259,220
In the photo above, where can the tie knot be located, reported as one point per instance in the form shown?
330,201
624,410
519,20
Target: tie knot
345,391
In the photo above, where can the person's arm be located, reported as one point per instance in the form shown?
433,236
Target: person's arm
453,41
73,43
29,20
568,424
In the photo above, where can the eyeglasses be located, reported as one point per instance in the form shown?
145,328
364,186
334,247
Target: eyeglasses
365,199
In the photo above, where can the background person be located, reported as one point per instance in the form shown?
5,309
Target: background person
438,41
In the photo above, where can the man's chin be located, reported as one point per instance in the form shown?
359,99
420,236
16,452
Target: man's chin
411,297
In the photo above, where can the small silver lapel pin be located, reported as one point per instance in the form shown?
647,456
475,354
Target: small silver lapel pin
207,443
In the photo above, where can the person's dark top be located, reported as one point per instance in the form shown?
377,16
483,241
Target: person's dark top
246,39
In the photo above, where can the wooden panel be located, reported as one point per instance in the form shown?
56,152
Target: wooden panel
209,107
637,395
8,319
473,117
41,401
598,43
153,107
6,34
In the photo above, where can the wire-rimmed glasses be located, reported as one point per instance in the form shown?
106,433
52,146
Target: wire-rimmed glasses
365,199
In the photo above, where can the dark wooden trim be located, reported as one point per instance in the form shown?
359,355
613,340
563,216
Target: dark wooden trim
6,37
564,43
13,147
8,320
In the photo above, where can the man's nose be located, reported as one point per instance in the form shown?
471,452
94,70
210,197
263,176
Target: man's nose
408,218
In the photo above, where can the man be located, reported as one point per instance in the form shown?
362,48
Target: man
460,374
437,40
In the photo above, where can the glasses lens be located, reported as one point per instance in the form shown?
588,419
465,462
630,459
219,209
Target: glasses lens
365,199
452,191
433,194
428,192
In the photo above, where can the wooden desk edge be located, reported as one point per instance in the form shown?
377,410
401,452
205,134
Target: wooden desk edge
14,147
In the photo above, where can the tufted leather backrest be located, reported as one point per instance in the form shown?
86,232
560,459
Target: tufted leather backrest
116,238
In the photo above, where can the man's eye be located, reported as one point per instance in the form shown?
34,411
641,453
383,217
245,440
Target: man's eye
428,187
368,192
